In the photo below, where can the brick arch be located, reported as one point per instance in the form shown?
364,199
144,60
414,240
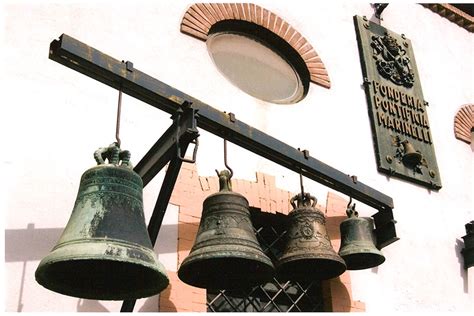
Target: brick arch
200,17
464,123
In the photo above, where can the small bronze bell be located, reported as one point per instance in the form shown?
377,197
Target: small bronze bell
410,156
226,253
308,254
358,242
104,252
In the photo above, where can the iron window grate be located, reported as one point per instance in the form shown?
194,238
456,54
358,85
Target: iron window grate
274,296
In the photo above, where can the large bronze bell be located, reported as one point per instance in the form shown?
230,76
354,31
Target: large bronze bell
105,252
308,254
226,253
358,242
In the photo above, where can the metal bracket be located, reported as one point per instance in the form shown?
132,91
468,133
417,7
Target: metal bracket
378,8
179,135
195,141
385,228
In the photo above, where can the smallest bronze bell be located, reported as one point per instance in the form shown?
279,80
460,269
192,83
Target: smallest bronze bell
358,242
410,157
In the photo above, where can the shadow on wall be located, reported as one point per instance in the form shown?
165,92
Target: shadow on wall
83,305
90,306
30,244
166,304
462,272
33,244
336,296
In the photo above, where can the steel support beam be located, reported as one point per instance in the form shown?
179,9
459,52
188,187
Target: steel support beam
97,65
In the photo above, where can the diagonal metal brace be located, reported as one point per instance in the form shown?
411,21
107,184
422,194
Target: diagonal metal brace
177,138
179,135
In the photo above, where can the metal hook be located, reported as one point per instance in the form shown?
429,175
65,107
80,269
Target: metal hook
350,201
119,113
301,183
225,159
303,196
350,209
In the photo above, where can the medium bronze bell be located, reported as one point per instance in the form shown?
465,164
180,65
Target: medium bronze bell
105,252
410,157
308,254
358,242
226,253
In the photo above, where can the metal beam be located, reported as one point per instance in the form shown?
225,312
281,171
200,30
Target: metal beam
97,65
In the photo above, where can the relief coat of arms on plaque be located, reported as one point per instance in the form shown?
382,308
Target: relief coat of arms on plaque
392,60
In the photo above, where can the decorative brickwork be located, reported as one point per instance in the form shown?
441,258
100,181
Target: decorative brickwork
189,194
464,123
453,14
199,18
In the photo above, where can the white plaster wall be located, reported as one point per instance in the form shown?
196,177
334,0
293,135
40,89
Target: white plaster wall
54,118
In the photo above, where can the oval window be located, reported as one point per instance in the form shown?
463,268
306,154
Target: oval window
260,65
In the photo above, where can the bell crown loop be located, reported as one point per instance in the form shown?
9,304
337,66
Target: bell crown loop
350,211
114,155
303,200
225,185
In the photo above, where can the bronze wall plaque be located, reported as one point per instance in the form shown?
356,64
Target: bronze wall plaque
397,110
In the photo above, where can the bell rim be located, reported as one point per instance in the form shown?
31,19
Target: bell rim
188,270
368,260
162,281
287,270
58,257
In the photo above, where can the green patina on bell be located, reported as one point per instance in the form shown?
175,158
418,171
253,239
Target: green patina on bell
226,253
358,242
105,252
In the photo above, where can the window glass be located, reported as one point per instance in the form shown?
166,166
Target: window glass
255,68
